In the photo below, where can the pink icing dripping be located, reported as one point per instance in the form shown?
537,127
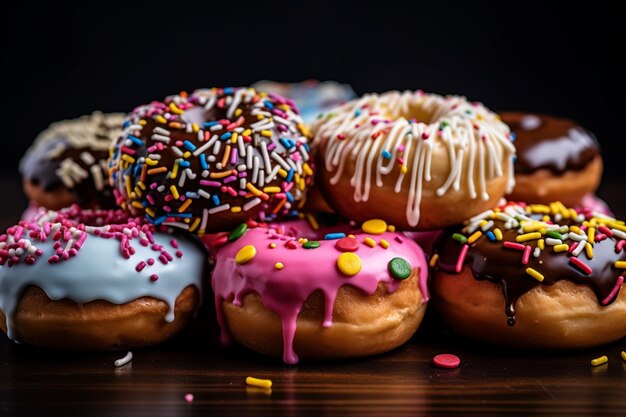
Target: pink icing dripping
305,272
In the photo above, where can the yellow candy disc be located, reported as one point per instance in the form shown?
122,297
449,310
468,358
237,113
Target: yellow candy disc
245,254
374,227
349,263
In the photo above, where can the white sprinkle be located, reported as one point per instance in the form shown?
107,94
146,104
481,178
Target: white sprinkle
179,225
537,252
553,242
272,174
579,249
487,226
217,147
205,218
254,202
219,208
159,130
276,157
160,138
576,237
255,170
177,151
205,146
204,194
123,361
619,233
87,158
242,183
216,127
481,216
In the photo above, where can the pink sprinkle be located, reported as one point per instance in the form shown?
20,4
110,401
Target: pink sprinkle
154,277
513,245
140,266
605,230
179,254
526,256
446,361
401,148
572,247
341,136
614,291
174,243
398,239
150,261
189,398
163,259
580,264
619,245
461,260
208,183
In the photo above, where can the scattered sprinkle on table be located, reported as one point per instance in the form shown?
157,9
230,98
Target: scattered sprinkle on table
257,382
189,397
446,361
123,361
599,361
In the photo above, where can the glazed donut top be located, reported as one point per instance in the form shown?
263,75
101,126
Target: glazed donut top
548,142
284,271
522,246
376,133
95,255
212,160
73,153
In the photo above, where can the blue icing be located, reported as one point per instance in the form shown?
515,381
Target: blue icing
100,272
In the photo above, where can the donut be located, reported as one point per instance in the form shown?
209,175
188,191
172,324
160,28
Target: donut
208,161
329,296
96,280
534,276
311,96
557,160
419,161
67,163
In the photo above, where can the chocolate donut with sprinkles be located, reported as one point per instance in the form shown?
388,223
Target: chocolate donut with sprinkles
327,295
213,159
96,280
555,272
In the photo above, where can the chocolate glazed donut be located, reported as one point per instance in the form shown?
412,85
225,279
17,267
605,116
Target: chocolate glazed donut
557,160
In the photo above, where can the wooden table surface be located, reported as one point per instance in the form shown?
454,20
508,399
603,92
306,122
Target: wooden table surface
490,381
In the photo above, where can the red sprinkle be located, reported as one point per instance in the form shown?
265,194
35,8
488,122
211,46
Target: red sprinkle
572,247
614,291
619,246
513,245
526,256
461,260
446,361
291,244
605,230
154,277
580,264
347,244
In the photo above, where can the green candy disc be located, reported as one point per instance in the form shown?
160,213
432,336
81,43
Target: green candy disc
311,244
237,232
399,268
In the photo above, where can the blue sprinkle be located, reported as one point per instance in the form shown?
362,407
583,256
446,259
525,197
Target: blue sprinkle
229,90
289,197
287,143
135,140
514,159
307,147
203,161
512,136
209,124
268,104
333,236
192,195
137,170
491,236
289,175
160,220
184,164
181,215
216,200
226,135
386,154
189,145
357,113
126,124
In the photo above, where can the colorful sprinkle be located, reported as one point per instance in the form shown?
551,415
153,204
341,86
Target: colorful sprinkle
461,259
533,273
279,265
446,361
245,254
369,242
399,268
333,236
311,244
257,382
237,232
374,227
581,265
347,244
349,263
599,361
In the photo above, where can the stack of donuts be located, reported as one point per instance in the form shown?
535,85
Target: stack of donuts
136,219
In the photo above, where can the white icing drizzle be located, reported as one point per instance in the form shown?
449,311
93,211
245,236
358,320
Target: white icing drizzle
375,133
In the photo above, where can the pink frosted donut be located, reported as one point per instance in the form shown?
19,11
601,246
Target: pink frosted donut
344,295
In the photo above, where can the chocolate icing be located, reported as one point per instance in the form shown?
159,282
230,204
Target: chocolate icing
547,142
492,262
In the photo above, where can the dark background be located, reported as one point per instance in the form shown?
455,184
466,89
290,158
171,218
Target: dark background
61,61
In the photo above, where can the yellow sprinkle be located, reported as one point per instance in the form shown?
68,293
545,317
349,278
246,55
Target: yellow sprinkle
474,237
391,228
161,119
403,169
272,245
235,209
246,132
174,192
282,173
175,109
312,221
351,235
253,189
383,243
150,212
222,174
301,183
620,264
233,138
591,234
546,218
374,227
349,263
561,248
138,205
572,213
589,250
433,260
174,171
238,112
138,192
623,354
261,383
279,265
195,224
142,122
303,240
617,225
554,208
307,169
128,158
128,189
187,154
541,244
534,274
245,254
534,227
266,133
528,236
260,117
575,229
540,208
369,242
194,127
272,190
184,206
141,185
599,361
498,233
151,162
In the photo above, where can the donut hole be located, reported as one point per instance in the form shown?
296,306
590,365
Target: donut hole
414,110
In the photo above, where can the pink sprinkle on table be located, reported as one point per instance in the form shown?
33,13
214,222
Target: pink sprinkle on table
446,361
